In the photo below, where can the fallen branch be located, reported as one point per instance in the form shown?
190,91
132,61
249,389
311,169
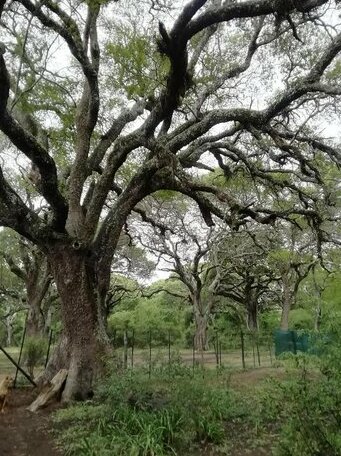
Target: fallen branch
50,391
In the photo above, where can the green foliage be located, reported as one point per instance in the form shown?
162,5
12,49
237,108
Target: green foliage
34,352
270,320
301,319
149,315
138,71
304,409
313,418
139,416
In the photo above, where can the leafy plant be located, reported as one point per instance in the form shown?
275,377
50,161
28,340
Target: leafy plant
34,352
139,416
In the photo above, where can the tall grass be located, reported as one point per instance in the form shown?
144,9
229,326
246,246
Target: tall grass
139,416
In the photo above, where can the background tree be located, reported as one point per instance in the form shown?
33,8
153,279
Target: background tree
292,261
30,266
183,251
243,273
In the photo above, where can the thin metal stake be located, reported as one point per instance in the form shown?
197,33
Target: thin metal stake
270,351
132,349
253,351
243,348
193,354
169,347
150,354
257,348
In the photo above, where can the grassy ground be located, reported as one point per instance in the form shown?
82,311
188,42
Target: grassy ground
6,367
228,358
292,409
175,411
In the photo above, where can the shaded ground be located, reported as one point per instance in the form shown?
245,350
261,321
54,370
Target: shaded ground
23,433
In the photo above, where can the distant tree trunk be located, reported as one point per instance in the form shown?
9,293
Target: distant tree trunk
251,303
286,304
87,341
34,323
9,330
252,316
200,337
48,321
318,318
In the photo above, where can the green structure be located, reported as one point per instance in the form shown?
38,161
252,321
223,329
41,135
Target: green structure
291,341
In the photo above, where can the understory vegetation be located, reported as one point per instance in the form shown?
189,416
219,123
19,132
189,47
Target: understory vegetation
292,410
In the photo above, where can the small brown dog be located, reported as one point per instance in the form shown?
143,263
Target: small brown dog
5,385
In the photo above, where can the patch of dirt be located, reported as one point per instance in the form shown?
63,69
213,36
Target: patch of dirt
253,377
23,433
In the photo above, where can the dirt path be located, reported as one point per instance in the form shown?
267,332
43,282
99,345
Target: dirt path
23,433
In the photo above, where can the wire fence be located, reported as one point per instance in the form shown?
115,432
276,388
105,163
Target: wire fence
237,350
149,350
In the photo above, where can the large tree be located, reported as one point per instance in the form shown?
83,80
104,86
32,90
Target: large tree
242,271
125,114
183,251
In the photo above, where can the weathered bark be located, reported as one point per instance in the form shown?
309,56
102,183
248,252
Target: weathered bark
318,318
52,390
47,321
252,315
251,291
37,283
34,322
200,337
60,359
74,274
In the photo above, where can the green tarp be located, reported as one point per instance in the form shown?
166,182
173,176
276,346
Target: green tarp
292,341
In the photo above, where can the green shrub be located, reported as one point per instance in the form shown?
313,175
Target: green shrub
34,353
142,416
313,410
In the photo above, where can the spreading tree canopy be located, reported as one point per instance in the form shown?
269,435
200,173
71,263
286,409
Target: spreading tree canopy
103,103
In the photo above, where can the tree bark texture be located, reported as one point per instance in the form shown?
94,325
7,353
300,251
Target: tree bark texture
73,271
200,337
252,315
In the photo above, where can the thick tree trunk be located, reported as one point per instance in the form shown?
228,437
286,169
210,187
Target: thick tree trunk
200,337
35,322
251,303
37,283
252,314
87,341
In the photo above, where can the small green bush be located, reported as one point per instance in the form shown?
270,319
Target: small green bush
312,424
34,353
